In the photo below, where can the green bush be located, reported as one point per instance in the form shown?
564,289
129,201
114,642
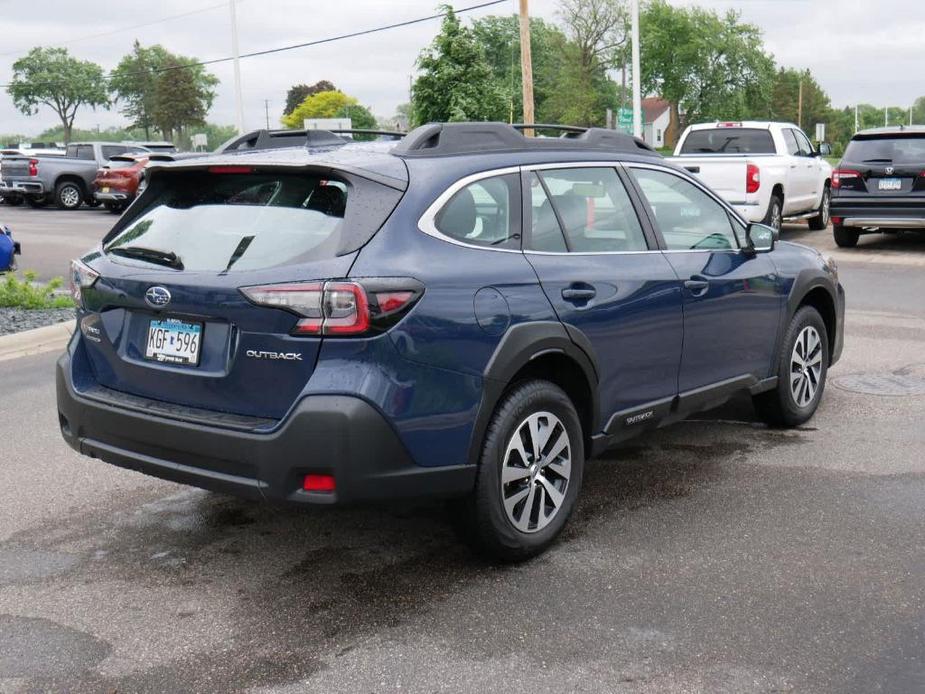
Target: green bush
25,293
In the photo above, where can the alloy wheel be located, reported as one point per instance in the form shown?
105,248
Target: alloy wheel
535,472
826,206
70,196
777,219
806,366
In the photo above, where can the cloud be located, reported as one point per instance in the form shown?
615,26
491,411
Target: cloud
857,53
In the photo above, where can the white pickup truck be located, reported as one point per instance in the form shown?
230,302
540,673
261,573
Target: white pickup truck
769,172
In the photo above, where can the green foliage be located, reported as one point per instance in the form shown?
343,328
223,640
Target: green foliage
707,65
330,104
51,77
161,90
500,39
25,293
300,92
456,82
785,99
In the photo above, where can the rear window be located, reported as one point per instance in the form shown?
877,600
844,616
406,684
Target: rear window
729,141
227,222
906,149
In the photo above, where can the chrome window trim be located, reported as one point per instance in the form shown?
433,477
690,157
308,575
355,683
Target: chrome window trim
427,222
709,193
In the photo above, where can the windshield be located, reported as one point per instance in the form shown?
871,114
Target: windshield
728,141
906,149
236,222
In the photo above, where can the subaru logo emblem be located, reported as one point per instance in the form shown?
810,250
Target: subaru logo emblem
889,170
157,297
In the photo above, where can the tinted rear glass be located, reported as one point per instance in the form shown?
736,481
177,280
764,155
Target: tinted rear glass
237,222
907,149
728,141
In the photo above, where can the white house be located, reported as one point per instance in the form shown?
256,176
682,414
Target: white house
656,117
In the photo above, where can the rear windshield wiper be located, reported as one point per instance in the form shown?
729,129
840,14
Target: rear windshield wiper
149,255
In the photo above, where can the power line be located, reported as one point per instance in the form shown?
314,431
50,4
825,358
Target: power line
307,44
124,29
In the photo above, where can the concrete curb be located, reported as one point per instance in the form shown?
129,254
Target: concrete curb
48,339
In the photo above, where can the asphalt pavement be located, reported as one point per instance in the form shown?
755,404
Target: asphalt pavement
715,555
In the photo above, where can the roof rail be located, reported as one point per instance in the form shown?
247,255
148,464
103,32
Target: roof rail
396,134
448,139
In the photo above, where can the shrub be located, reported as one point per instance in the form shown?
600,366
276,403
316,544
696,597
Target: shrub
26,293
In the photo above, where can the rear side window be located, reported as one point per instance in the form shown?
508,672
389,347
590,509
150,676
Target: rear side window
228,222
109,151
484,213
592,208
81,152
790,139
728,141
907,149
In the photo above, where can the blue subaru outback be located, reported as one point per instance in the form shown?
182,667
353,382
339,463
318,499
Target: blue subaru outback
468,313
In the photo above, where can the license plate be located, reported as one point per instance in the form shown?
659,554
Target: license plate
173,341
105,189
890,184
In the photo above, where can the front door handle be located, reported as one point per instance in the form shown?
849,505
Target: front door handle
579,294
697,285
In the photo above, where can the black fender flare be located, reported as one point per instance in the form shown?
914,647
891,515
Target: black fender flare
521,344
807,281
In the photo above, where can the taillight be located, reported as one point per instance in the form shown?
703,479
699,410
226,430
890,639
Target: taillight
33,167
340,308
840,176
231,169
82,277
752,178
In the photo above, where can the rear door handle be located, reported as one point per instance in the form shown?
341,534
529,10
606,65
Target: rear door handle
576,294
697,285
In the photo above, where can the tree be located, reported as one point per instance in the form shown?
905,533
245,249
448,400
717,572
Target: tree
709,66
300,92
599,29
785,99
918,111
330,104
456,82
51,77
162,90
500,40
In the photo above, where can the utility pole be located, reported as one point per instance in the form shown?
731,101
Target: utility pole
266,107
857,122
239,101
637,74
800,104
526,67
886,117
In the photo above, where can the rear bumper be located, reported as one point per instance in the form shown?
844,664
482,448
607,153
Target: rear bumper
337,435
113,196
8,187
882,213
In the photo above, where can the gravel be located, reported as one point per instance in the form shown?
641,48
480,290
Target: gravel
14,320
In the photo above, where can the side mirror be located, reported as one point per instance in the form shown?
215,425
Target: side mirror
825,149
760,238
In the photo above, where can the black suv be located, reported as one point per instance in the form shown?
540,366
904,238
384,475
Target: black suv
880,183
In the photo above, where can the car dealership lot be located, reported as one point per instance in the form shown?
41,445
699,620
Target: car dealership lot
714,555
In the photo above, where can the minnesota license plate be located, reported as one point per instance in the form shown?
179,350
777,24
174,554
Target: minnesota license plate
104,189
172,341
890,184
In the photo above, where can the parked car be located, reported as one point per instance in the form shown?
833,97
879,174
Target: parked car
769,172
468,314
9,249
67,181
156,146
122,178
879,185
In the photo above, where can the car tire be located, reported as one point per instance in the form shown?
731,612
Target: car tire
92,202
13,202
845,238
515,519
774,217
114,207
799,387
821,220
37,201
68,195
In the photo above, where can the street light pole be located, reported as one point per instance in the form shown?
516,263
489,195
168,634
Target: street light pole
239,101
637,88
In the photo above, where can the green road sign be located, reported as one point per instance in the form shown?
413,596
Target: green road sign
625,120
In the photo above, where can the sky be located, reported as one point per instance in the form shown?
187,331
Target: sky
858,50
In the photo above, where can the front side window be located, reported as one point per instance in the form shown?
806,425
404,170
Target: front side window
484,213
688,218
806,149
592,208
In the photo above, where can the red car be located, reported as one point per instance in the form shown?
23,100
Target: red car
116,184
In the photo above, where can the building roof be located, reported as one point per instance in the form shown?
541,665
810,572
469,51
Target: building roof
653,107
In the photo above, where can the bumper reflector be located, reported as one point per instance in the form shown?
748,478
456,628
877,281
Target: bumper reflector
318,483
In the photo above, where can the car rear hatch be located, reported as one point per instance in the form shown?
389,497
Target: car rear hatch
166,318
883,170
